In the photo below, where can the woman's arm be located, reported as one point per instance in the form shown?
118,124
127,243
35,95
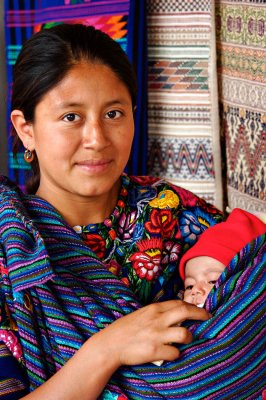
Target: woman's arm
140,337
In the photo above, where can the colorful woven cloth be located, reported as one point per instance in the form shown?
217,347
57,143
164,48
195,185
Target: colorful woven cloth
59,293
241,54
184,144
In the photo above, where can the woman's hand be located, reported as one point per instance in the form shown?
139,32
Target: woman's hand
146,335
142,336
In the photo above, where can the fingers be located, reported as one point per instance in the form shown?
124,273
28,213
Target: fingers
170,353
194,312
179,335
174,312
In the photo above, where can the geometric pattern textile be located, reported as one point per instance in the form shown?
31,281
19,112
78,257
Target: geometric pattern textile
183,117
116,18
241,53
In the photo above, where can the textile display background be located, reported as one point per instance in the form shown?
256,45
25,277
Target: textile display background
183,119
241,54
183,123
124,21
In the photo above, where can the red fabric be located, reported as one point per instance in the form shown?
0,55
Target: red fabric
224,240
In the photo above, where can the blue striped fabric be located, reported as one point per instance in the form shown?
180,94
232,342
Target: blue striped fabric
60,294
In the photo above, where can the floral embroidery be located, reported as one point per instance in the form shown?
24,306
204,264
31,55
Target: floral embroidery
172,252
209,208
166,198
96,243
147,261
12,343
126,224
142,241
161,222
114,267
141,195
3,270
187,197
193,224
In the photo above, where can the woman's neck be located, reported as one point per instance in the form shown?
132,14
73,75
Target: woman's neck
78,210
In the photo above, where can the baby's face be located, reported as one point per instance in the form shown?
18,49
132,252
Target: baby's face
201,273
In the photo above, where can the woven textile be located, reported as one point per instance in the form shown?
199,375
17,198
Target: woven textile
241,48
60,293
124,21
182,96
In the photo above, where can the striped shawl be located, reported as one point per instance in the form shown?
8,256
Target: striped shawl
59,294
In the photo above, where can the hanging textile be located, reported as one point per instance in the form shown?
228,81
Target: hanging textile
183,124
117,18
241,50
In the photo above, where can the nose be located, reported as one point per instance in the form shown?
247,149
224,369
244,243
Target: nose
199,293
94,136
198,288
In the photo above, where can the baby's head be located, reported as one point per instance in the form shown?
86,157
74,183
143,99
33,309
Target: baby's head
201,266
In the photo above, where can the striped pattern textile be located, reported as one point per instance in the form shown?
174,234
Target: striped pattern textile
183,123
241,54
60,294
123,20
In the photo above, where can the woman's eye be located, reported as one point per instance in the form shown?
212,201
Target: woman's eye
189,287
71,117
114,114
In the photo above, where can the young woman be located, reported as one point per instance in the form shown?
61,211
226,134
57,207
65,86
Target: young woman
88,249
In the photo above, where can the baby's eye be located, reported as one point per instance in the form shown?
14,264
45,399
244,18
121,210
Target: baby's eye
71,117
114,114
212,282
189,287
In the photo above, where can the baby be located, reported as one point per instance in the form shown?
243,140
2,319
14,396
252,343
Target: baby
203,263
201,266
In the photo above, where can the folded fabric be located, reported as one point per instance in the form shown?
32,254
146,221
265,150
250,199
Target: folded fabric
59,294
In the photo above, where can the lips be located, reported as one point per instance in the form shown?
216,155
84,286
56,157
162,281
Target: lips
94,165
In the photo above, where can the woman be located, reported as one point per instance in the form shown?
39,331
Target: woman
88,247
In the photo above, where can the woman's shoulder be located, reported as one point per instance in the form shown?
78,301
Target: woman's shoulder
8,187
163,194
159,184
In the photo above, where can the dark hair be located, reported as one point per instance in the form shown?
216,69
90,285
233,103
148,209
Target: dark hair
47,57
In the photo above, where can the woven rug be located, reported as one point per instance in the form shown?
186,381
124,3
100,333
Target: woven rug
183,122
241,50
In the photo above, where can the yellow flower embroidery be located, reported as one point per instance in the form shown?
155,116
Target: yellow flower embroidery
165,199
203,221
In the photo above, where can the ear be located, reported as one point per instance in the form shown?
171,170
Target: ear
23,128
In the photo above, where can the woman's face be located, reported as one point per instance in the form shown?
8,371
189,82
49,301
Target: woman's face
83,130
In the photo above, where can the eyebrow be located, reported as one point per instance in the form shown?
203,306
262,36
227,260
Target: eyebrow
107,104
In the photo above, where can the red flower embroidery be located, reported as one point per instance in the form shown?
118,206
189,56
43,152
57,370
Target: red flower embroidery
112,234
161,221
96,243
114,267
126,281
3,270
188,199
145,180
12,343
147,261
209,208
